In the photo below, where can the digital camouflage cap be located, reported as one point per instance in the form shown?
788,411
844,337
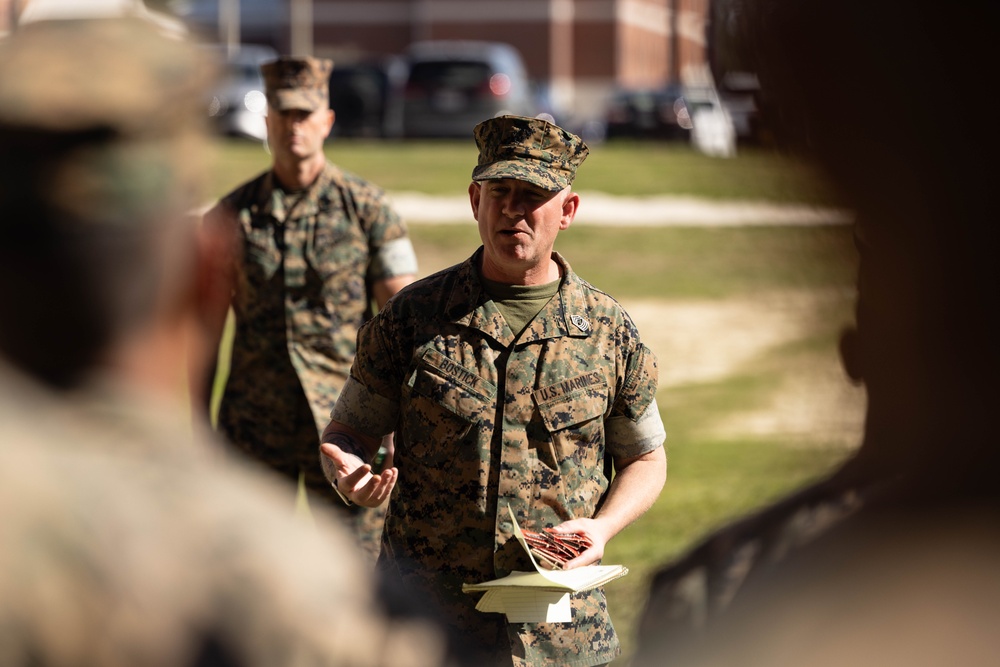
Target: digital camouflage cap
528,149
297,82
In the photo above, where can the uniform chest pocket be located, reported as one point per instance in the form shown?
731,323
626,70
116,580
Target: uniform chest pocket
335,250
574,422
263,255
446,401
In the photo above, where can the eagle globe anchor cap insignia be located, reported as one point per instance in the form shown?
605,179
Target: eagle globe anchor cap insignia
580,322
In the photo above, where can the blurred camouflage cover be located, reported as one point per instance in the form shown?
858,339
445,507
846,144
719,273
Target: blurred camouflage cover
297,83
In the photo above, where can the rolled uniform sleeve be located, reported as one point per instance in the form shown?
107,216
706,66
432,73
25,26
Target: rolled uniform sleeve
391,253
634,426
628,439
394,258
369,402
364,410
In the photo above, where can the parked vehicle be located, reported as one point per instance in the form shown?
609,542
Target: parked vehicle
364,97
712,129
739,92
238,105
675,112
452,85
647,114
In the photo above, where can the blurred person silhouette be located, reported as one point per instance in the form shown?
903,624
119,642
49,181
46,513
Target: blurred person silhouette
892,559
125,541
316,245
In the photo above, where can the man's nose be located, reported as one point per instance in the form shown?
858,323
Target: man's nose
513,205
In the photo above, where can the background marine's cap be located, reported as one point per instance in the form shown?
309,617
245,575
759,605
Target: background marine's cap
528,149
297,83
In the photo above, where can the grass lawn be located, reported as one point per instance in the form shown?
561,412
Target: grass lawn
677,262
621,168
715,474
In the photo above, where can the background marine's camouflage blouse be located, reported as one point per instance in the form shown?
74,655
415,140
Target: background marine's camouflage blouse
302,292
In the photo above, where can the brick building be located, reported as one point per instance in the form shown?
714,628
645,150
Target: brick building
579,49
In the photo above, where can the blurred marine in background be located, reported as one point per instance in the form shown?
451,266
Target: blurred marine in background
125,541
315,248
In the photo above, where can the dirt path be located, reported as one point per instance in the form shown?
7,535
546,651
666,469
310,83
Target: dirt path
600,208
708,341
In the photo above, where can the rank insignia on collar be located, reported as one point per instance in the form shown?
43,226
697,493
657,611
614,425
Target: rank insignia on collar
580,322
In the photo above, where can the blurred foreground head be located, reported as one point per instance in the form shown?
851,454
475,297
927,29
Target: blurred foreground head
886,96
100,159
891,560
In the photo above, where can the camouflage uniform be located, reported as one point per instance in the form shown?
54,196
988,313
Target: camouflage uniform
302,292
484,421
529,150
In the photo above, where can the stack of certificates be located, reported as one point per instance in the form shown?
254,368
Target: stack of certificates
552,549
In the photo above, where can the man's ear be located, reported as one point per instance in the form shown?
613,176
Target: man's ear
331,119
475,190
570,206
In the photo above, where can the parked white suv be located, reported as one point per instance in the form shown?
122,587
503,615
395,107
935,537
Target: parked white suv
238,106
